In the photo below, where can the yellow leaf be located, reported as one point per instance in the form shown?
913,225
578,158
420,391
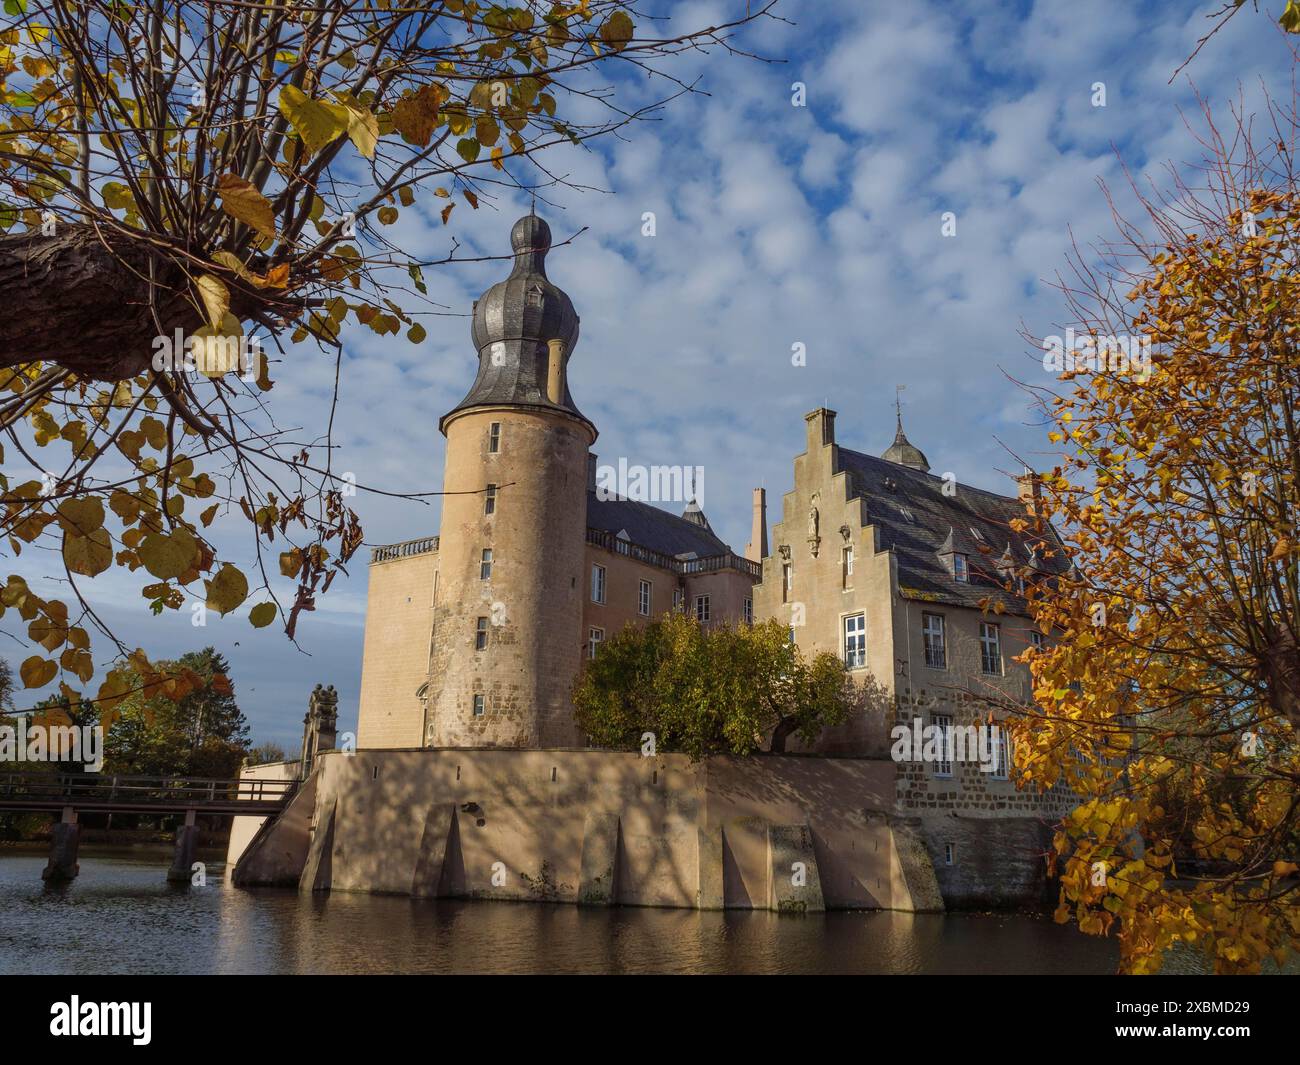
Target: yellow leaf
262,615
227,589
168,556
215,297
37,672
315,123
241,200
362,125
88,555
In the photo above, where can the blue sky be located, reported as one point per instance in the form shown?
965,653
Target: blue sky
776,225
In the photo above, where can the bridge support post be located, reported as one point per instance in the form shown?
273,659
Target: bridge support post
62,866
186,839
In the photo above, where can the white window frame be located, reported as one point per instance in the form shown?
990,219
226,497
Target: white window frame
854,642
943,722
961,568
679,599
990,645
490,500
481,634
494,438
485,565
1003,770
480,704
644,592
747,611
703,609
941,632
597,583
595,637
1037,640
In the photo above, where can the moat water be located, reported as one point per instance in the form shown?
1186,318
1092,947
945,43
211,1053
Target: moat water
120,916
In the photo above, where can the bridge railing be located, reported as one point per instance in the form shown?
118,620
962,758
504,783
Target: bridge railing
164,791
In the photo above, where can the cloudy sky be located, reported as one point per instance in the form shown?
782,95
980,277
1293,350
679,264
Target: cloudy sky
776,225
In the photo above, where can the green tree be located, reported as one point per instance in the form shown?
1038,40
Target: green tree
265,753
706,691
200,734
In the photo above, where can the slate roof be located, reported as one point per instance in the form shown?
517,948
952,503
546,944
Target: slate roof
512,322
650,526
972,522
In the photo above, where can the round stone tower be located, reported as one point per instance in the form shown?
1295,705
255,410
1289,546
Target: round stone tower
507,633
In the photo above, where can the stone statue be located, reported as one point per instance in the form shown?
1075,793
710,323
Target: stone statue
814,520
319,726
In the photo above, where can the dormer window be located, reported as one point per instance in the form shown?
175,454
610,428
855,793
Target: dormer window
960,568
977,534
534,296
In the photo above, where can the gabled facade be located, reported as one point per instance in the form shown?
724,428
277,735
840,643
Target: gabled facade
897,570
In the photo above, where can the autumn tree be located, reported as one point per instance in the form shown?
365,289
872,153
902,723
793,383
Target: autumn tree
185,186
706,691
1168,694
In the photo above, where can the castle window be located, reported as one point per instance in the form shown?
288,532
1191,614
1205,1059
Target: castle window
936,645
485,565
595,637
855,641
960,570
787,582
792,643
950,854
943,725
494,438
643,598
1036,640
990,648
490,500
679,599
481,635
480,702
848,567
1002,771
597,584
747,611
701,608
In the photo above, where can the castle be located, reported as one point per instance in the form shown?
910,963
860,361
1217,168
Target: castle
468,757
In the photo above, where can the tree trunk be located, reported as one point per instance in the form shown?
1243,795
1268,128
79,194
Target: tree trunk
784,729
1282,674
80,298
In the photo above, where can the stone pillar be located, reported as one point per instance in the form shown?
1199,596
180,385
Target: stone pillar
187,837
62,865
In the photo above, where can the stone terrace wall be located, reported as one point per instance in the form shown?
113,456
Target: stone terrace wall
782,832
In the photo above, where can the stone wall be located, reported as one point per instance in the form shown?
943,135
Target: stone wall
788,833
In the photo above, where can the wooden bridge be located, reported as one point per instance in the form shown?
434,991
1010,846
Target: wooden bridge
69,794
95,793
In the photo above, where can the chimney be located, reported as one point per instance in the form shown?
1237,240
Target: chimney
821,427
756,549
555,371
591,471
1029,488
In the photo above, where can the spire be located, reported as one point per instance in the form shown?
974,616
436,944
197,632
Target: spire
901,451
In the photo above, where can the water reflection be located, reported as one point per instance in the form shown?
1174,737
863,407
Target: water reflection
120,916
